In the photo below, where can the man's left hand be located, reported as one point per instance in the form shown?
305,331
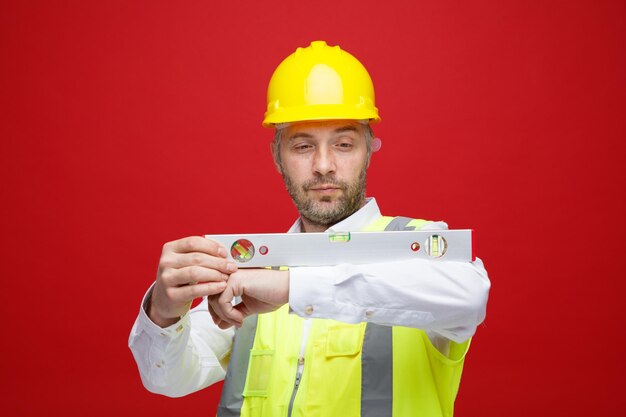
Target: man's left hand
261,291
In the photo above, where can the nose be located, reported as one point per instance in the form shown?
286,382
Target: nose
324,161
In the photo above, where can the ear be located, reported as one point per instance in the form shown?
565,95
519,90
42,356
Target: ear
274,152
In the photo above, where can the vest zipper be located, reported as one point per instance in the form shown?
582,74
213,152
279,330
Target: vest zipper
296,384
306,328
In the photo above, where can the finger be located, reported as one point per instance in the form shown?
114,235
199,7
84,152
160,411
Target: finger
225,325
226,310
196,244
214,316
222,324
215,308
191,275
188,293
181,260
256,307
221,305
243,308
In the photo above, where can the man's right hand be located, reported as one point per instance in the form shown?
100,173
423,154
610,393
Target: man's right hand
189,268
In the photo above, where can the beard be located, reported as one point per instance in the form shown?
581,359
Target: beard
323,212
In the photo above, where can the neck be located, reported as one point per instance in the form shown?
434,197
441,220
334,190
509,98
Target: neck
310,227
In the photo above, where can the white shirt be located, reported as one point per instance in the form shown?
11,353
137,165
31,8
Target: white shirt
446,299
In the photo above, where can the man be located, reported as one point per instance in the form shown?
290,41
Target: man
382,339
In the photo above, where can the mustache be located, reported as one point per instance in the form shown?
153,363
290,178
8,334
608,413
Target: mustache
324,180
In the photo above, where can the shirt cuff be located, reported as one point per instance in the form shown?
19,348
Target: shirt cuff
160,335
312,293
307,286
320,292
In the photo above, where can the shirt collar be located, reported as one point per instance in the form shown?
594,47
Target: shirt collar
357,221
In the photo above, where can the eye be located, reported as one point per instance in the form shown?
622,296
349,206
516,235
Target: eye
302,147
345,145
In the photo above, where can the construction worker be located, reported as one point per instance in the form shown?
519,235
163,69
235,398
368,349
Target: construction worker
380,339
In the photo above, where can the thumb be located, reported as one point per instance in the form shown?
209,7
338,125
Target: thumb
230,314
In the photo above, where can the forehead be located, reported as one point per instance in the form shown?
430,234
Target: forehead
322,127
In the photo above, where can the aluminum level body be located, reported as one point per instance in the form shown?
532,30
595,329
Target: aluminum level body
320,249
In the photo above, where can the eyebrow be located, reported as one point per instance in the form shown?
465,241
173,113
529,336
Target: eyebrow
300,135
348,128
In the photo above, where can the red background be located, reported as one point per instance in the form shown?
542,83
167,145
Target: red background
128,124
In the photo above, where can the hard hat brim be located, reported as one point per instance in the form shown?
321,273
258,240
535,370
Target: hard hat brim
320,112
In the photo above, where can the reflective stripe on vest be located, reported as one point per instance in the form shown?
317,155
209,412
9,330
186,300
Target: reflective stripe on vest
376,371
232,398
377,354
401,373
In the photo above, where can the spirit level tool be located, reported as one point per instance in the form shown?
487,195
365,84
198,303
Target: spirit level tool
319,249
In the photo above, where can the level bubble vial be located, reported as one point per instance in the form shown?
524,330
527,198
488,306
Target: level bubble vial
340,237
436,246
242,250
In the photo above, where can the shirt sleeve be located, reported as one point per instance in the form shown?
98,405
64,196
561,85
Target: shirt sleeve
445,298
182,358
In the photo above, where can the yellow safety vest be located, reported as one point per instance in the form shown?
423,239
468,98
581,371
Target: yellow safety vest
350,370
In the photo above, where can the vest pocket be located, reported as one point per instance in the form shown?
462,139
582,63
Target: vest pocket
259,368
344,340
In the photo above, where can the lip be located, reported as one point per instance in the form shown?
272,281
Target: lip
324,188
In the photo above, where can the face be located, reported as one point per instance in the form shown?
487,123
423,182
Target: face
323,164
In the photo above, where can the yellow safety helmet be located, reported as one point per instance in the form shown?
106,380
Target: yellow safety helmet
320,82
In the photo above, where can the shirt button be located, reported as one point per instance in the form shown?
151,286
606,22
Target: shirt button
369,314
179,328
308,310
158,365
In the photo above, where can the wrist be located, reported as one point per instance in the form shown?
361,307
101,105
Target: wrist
285,287
157,317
